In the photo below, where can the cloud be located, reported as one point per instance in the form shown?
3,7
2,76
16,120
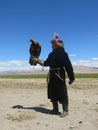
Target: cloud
13,62
13,65
2,68
96,35
82,62
95,58
16,65
89,63
72,55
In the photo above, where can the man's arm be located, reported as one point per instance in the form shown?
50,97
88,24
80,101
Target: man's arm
46,62
69,69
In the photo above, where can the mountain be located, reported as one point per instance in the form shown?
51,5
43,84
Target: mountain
85,69
77,69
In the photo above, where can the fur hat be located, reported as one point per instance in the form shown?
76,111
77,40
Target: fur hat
57,41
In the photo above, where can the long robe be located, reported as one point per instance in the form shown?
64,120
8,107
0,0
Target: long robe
59,64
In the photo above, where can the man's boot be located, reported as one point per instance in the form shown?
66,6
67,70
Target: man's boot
65,110
55,110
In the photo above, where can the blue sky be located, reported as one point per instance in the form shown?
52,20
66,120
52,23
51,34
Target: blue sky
76,22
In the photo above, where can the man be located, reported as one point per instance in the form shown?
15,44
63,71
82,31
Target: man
59,63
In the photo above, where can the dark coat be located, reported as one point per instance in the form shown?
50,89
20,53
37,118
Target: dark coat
59,63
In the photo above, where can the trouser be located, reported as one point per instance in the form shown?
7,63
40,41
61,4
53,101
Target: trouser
55,106
65,107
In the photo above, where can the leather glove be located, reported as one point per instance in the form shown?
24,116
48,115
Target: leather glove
41,62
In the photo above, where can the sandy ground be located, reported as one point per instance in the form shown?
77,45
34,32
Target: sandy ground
24,106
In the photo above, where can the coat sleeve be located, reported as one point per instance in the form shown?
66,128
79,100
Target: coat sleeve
69,68
49,60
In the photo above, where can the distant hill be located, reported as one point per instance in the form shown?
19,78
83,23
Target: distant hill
85,69
77,69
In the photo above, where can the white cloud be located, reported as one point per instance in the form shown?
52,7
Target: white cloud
13,62
2,68
15,65
74,63
89,63
95,58
72,55
84,61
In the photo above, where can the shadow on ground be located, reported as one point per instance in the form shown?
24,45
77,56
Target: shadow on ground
37,108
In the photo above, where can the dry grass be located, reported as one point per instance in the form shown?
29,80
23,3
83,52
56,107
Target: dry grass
23,83
86,83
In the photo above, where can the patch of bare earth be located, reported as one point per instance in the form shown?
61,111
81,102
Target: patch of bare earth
24,105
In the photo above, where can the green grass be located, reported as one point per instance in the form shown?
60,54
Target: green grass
35,76
16,76
87,75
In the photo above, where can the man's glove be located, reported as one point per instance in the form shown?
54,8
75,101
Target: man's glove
37,60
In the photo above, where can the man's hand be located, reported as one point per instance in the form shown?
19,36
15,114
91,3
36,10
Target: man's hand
71,81
41,62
